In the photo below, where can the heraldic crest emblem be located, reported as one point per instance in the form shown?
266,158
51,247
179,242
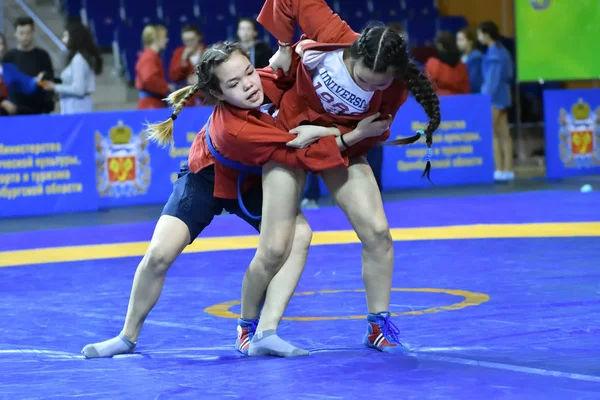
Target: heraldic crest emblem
539,4
579,136
122,162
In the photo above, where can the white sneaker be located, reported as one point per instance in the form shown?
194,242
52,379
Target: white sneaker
498,175
509,176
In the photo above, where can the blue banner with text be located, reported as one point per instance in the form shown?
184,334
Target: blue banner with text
462,151
56,164
46,166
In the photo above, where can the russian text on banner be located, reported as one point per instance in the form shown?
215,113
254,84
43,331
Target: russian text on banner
572,132
462,151
46,166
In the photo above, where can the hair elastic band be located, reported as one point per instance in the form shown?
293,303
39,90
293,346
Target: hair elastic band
428,154
173,116
343,141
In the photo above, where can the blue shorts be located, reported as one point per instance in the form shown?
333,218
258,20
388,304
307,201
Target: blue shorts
192,201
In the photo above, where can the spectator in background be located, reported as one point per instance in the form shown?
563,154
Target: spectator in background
12,81
78,80
259,52
466,41
32,61
497,75
185,58
447,72
150,78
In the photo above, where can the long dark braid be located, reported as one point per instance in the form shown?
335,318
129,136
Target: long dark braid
421,88
381,47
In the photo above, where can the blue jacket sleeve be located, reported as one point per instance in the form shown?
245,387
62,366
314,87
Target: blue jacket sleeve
17,80
492,78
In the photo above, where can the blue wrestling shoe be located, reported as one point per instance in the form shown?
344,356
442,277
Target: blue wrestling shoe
245,330
382,334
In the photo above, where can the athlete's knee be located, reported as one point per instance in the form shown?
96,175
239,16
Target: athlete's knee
273,253
303,236
158,259
377,236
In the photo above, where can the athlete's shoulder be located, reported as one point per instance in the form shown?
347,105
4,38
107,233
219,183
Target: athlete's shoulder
228,119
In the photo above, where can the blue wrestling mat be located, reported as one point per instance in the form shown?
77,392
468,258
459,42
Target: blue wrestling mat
498,296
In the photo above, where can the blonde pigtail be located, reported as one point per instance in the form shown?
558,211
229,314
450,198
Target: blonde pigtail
162,132
174,98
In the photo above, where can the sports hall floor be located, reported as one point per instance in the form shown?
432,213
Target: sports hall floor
497,291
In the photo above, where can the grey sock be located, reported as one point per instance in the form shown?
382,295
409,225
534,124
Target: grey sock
117,345
267,343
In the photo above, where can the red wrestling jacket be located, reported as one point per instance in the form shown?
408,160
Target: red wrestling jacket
251,137
301,103
179,73
448,79
150,78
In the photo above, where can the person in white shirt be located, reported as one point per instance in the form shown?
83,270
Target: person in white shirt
78,81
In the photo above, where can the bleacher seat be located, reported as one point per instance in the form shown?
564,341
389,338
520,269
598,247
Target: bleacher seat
72,7
357,16
124,20
247,8
139,11
217,29
416,8
103,18
452,24
135,15
218,21
421,30
214,8
179,12
128,37
387,10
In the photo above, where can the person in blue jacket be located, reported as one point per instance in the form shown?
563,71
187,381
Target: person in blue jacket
497,70
466,41
12,80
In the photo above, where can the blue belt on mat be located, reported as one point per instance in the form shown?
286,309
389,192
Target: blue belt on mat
243,168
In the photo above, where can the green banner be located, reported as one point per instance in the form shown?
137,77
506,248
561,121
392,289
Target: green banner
557,39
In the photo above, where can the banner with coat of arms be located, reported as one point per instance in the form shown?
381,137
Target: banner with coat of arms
130,170
572,132
122,162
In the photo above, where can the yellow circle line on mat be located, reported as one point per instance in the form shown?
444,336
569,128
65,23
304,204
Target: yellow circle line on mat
469,299
136,249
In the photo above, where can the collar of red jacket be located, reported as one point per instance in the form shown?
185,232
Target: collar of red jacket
229,113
